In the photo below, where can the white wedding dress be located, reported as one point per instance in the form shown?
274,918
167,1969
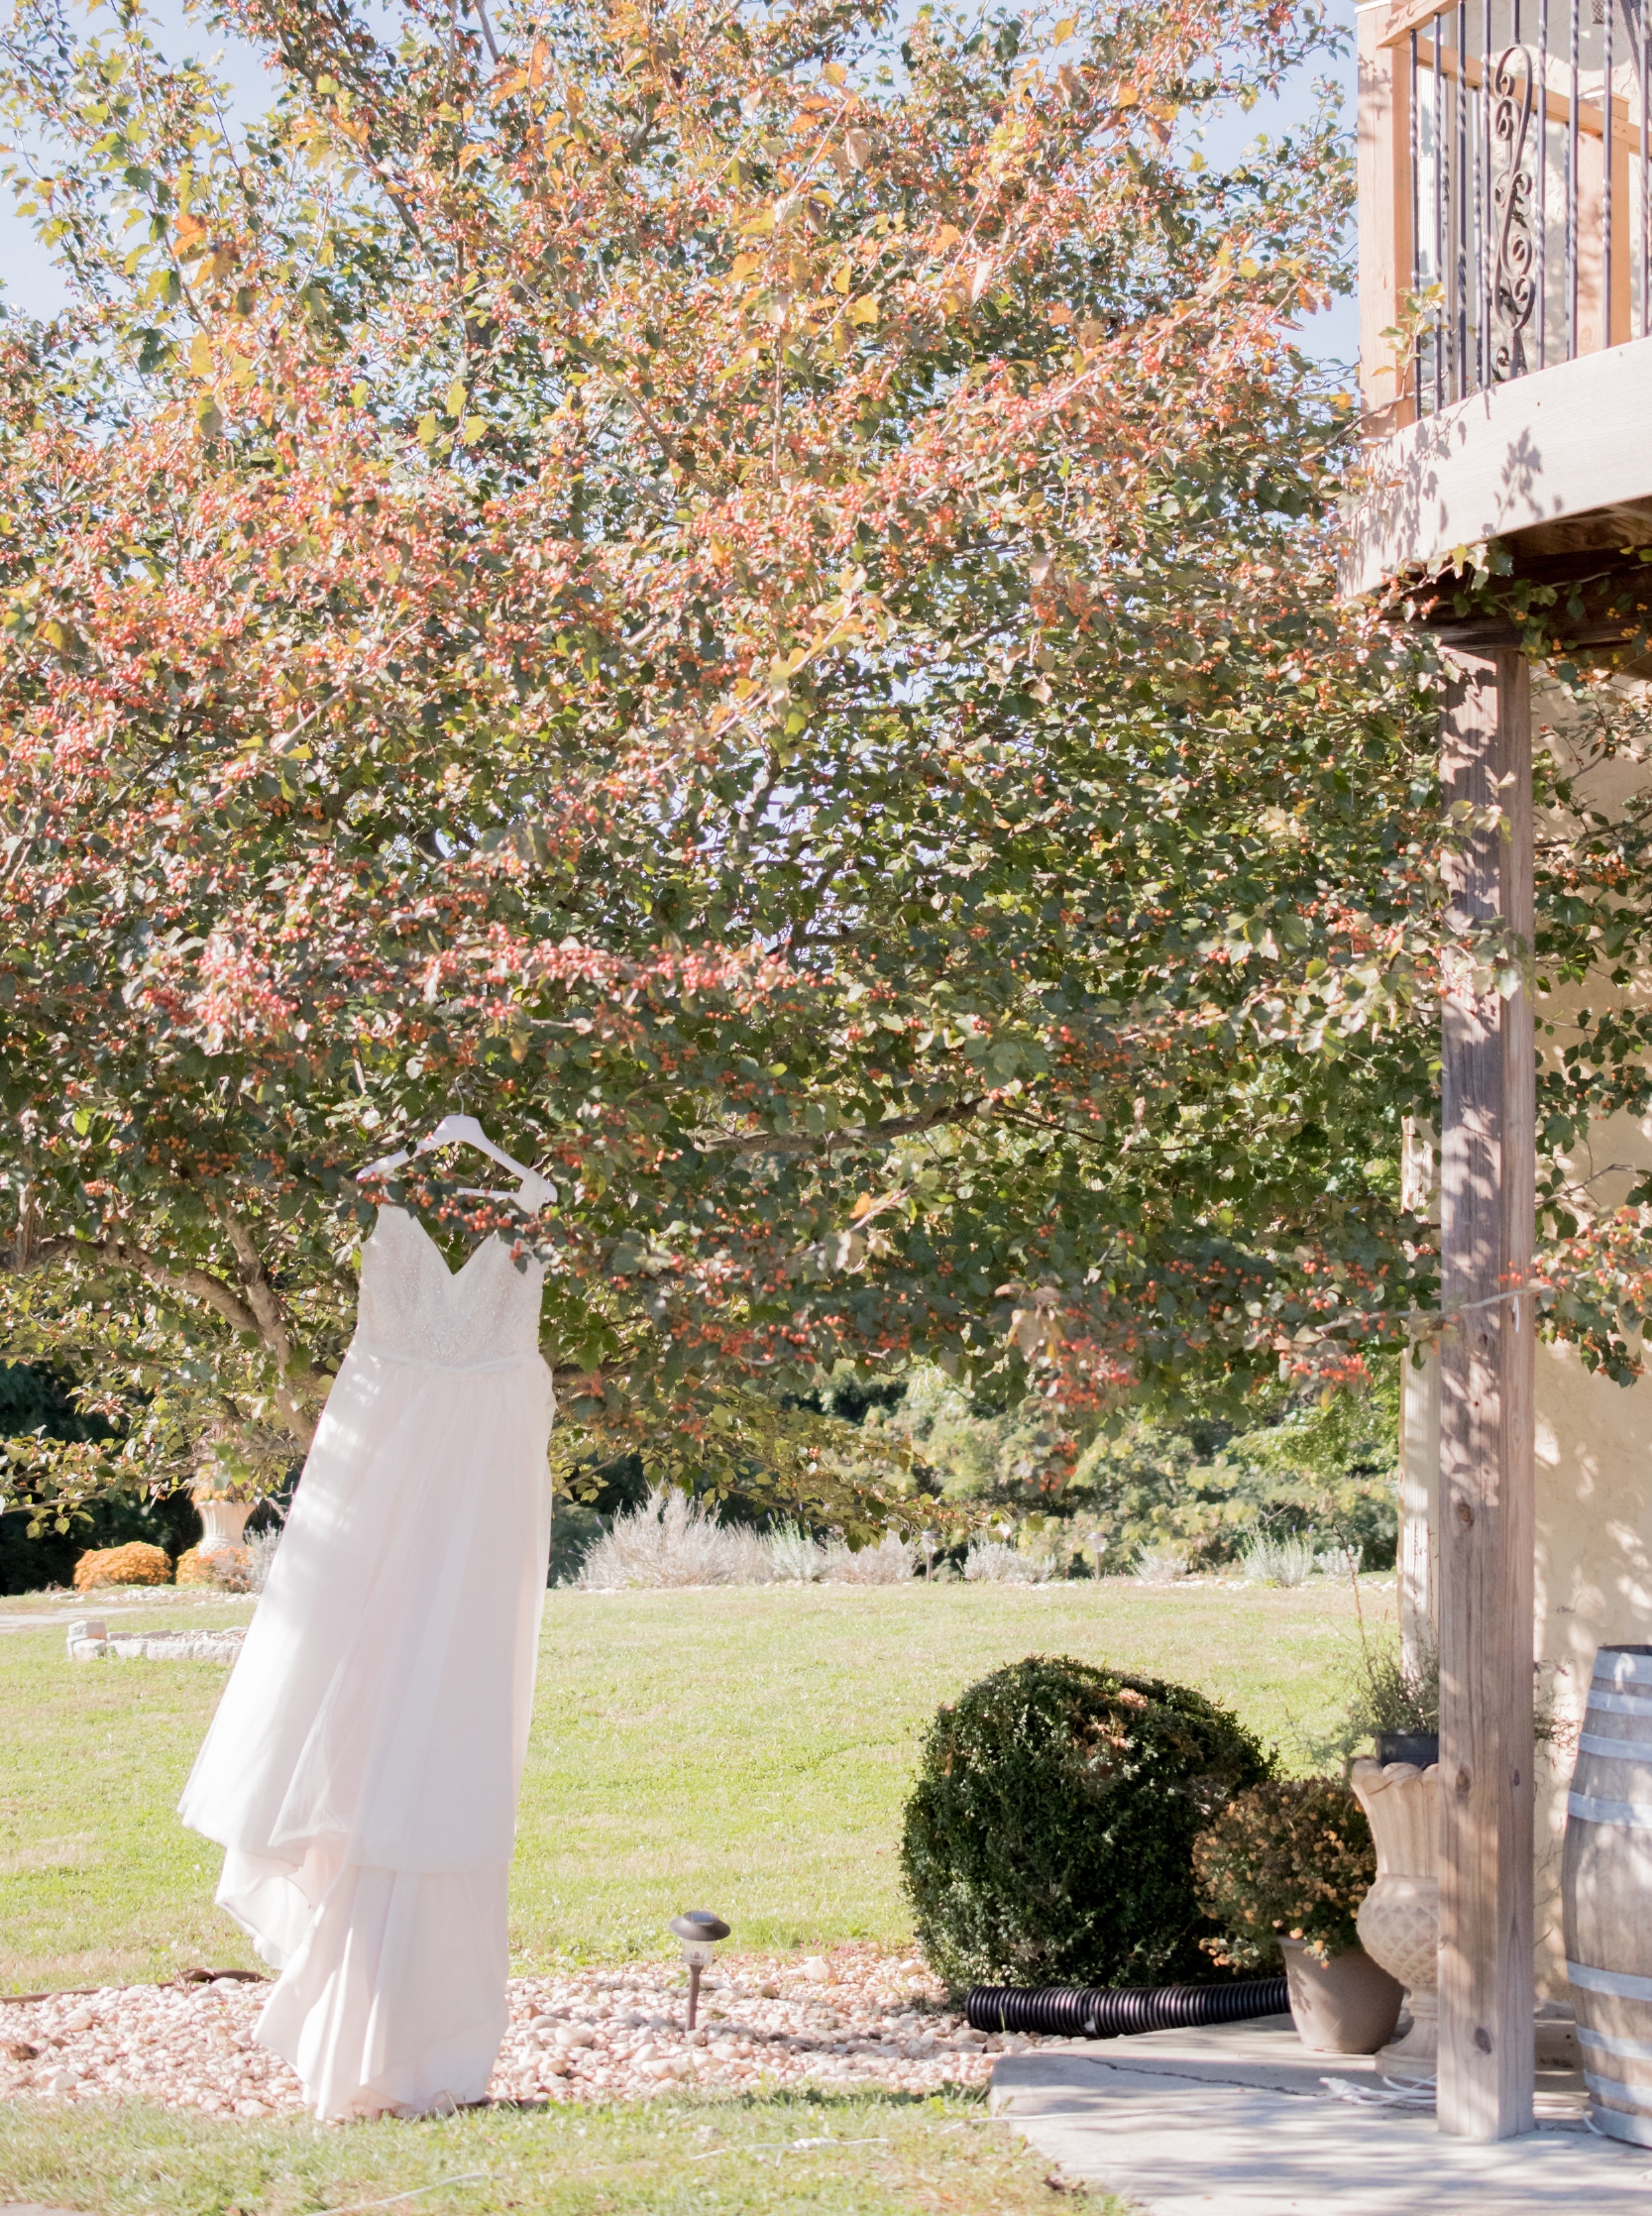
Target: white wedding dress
362,1770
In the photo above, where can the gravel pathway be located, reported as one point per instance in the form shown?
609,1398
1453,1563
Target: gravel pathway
853,2019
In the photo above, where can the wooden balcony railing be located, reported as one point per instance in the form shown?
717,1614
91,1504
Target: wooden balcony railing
1504,170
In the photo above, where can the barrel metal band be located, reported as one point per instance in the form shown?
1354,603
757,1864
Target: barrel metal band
1638,2102
1620,1704
1607,2042
1623,1666
1610,2123
1615,1750
1618,1982
1634,1816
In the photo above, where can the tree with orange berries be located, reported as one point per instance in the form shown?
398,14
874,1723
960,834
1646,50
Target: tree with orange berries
742,593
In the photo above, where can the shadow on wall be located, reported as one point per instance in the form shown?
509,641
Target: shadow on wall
1594,1581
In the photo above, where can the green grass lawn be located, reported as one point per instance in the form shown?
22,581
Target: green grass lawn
746,1750
837,2155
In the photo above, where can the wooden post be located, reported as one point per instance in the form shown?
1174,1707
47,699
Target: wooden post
1601,321
1419,1427
1383,157
1488,1178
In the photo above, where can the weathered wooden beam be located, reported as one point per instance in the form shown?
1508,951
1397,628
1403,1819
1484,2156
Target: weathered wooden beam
1383,161
1557,108
1418,1573
1487,1180
1402,19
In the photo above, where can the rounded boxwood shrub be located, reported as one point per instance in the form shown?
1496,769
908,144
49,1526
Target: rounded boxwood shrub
1049,1839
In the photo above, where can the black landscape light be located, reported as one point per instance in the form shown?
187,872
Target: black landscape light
699,1930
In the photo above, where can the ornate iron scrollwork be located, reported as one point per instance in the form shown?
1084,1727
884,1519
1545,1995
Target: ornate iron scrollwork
1513,282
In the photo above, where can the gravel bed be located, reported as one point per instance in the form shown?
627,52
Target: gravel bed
854,2018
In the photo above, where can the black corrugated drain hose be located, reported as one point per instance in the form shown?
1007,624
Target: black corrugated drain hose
1103,2012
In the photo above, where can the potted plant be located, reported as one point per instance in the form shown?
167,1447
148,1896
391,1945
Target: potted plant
1282,1871
1396,1703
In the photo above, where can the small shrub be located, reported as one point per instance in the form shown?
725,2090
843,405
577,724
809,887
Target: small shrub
1291,1858
888,1563
136,1563
994,1562
1278,1561
229,1569
1049,1837
1160,1565
796,1557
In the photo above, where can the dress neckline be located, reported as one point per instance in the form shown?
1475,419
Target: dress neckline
448,1271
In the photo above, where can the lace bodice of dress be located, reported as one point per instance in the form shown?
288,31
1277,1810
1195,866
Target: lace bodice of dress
414,1309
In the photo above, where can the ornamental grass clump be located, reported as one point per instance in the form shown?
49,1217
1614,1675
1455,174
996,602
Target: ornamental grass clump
797,1555
1161,1565
996,1562
890,1562
1395,1692
1048,1839
136,1563
1289,1858
672,1539
1285,1562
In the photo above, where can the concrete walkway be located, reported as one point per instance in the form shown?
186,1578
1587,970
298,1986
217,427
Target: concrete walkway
1238,2122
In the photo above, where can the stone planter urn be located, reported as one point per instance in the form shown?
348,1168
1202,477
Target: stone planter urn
1399,1918
222,1518
222,1523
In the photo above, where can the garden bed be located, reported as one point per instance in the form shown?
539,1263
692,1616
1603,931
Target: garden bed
859,2019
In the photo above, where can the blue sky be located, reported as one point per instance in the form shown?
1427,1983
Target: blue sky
31,281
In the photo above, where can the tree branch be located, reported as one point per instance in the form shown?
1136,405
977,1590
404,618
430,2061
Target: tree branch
293,1363
293,1384
840,1142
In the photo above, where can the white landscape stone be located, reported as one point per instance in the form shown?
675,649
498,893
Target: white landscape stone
91,1642
587,2035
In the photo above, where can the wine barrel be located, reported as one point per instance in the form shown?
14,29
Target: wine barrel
1606,1892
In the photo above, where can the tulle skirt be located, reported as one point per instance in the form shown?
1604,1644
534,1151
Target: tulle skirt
362,1770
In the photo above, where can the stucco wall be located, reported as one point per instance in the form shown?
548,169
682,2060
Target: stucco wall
1593,1437
1594,1576
1593,1584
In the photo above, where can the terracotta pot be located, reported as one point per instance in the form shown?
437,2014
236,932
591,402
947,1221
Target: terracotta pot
1348,2005
1399,1918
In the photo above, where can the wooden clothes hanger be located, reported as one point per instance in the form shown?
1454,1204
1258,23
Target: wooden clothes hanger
533,1193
